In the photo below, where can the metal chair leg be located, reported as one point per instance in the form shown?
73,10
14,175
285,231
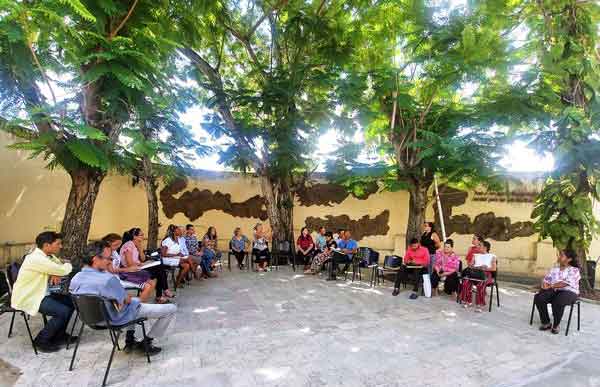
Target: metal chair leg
497,294
12,323
112,354
532,311
73,327
76,347
491,296
145,341
578,315
29,333
569,321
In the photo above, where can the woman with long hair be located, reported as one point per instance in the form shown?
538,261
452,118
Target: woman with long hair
560,288
431,241
173,245
130,274
132,254
320,259
305,247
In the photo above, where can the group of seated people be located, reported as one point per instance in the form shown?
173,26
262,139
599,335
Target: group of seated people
109,267
114,261
427,255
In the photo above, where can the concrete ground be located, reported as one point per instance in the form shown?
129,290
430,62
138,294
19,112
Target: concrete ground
286,329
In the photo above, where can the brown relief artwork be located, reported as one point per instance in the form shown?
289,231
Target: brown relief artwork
489,225
194,203
327,194
363,227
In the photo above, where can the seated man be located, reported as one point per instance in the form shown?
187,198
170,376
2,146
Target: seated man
417,257
347,247
30,291
95,279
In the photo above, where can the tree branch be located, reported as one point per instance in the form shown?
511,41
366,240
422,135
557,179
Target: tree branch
223,106
321,7
39,66
266,15
116,30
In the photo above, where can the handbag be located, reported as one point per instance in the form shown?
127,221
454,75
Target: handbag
473,273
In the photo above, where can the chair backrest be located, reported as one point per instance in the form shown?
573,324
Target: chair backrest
392,261
12,272
91,309
230,245
5,288
285,246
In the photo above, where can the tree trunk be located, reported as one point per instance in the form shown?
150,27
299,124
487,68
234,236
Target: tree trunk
152,198
417,207
280,209
85,184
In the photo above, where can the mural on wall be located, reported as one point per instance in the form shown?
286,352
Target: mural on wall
487,224
327,194
363,227
193,204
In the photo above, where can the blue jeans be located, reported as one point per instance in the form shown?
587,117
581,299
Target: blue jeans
60,308
206,261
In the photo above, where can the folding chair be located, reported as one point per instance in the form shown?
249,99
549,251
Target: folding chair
92,311
576,302
391,264
5,306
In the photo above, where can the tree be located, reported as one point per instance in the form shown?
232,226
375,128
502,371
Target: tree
105,56
160,149
564,35
407,90
269,69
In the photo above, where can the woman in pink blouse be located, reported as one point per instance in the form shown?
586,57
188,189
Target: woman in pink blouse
560,288
446,266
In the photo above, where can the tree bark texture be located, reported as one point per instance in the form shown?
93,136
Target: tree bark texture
417,207
152,198
85,184
279,199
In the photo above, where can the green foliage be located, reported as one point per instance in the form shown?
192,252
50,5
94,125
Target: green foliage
104,73
564,36
418,58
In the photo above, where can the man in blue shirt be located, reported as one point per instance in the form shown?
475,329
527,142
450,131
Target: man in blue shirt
347,248
95,279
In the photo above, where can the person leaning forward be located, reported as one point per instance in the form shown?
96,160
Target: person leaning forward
415,262
95,279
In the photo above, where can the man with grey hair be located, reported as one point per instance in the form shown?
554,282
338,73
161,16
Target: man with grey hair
95,279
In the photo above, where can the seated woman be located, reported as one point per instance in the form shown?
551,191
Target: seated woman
481,277
260,247
446,266
130,274
209,243
238,246
305,247
132,256
171,247
320,259
560,288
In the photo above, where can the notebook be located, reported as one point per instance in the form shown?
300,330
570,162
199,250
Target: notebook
483,259
149,264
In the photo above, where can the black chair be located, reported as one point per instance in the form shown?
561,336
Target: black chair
391,264
252,256
286,250
576,302
5,307
357,259
230,253
93,313
492,285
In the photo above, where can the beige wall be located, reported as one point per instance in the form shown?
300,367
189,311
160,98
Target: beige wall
32,199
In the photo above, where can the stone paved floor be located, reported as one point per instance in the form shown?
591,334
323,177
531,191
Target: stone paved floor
285,329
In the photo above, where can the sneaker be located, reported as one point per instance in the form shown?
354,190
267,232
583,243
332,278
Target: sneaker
545,327
396,292
555,330
413,296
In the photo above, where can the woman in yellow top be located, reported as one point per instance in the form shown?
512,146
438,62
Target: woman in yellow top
30,291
